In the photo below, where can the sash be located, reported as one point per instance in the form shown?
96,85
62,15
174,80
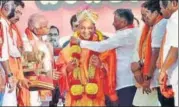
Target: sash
145,48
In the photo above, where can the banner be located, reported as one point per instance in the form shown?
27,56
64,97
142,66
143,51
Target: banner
54,5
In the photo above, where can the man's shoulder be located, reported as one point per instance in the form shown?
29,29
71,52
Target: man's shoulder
174,17
161,24
131,32
3,22
172,24
160,27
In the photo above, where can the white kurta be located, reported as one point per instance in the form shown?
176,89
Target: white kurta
40,45
47,62
172,40
9,48
124,41
151,99
157,36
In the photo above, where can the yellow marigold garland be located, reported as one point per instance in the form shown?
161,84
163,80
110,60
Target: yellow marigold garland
90,88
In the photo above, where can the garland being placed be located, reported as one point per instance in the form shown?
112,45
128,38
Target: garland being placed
91,87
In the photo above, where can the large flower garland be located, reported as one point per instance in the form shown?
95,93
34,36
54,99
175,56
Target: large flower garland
91,88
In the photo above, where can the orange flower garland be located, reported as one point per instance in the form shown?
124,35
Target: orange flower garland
91,88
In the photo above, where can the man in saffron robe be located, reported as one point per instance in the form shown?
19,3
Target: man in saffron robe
83,73
11,54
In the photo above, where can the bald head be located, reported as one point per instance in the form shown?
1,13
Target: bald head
37,21
38,24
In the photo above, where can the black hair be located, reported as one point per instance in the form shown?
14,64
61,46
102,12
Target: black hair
127,14
73,19
153,5
12,12
16,2
144,4
19,3
166,2
54,27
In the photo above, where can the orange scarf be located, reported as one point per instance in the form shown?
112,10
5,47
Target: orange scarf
167,92
19,37
29,34
146,37
109,58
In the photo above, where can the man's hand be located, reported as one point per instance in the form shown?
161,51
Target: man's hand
2,88
75,41
138,77
146,87
11,83
135,66
56,74
158,64
95,61
2,83
162,77
71,66
23,83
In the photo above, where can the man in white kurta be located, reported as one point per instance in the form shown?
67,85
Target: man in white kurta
172,41
9,49
37,43
124,42
158,32
170,52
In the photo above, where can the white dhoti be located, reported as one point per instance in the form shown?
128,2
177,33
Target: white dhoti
10,99
141,99
175,89
35,98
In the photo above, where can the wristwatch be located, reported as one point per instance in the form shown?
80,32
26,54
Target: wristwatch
10,75
146,77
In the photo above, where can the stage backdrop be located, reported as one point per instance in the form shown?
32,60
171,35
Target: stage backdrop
59,12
